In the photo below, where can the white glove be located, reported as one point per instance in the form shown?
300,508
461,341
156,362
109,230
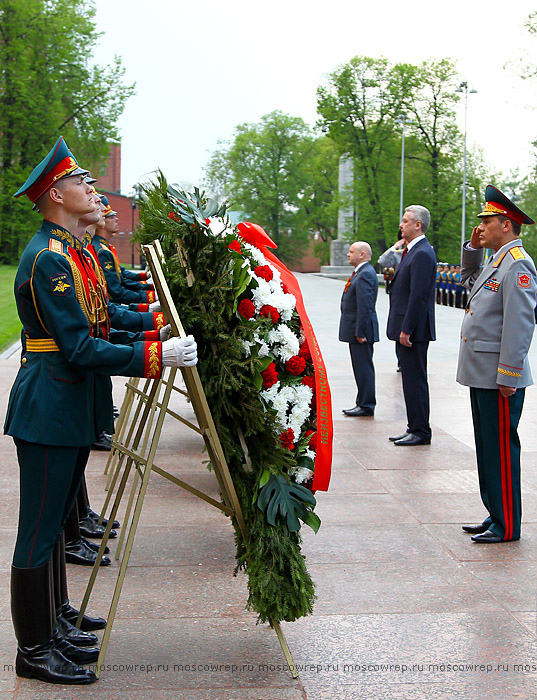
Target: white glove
180,352
165,332
154,306
147,276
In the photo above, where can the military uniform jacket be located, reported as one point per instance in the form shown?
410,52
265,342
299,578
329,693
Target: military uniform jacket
54,399
117,290
358,314
499,320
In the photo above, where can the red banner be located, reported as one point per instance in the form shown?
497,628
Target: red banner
254,234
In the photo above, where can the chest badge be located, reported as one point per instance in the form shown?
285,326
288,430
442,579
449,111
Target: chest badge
492,284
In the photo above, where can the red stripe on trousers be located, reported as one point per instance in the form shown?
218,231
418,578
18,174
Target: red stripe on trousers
505,465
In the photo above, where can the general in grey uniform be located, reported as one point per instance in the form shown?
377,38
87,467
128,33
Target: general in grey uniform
496,335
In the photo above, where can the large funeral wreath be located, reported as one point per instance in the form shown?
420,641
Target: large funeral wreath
256,368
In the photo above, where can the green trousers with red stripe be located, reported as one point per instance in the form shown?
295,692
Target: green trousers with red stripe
498,458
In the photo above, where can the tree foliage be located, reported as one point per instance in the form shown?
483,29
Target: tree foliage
361,108
271,172
48,87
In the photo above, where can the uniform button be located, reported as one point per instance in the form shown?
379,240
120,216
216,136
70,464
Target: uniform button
465,338
23,360
467,310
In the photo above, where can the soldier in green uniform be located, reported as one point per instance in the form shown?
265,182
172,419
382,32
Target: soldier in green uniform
52,413
122,289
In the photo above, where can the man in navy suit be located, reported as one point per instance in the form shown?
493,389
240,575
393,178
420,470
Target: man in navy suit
359,326
411,322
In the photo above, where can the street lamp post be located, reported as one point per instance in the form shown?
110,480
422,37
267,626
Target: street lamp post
463,87
402,119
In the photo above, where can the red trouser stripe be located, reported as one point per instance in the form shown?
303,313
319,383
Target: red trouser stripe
41,509
505,465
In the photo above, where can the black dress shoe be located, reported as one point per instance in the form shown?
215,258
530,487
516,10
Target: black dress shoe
488,537
475,529
411,439
87,624
78,552
103,443
91,528
45,663
358,412
93,515
398,437
73,635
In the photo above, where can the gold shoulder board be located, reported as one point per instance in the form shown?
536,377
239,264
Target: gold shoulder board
55,246
517,253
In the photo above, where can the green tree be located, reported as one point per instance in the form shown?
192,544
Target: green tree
358,108
48,88
266,171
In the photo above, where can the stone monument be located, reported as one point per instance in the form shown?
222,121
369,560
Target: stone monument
339,266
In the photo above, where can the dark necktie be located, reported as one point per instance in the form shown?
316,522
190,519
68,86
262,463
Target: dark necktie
405,251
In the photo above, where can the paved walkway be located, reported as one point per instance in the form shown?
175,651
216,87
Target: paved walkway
408,607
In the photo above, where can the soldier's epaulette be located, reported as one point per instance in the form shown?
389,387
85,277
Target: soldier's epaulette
55,246
517,253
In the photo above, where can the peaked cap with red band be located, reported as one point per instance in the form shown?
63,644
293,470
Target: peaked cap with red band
108,211
58,163
498,204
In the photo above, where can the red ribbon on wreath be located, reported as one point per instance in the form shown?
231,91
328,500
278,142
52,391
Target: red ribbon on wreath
255,235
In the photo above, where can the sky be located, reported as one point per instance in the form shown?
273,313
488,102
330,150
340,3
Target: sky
201,68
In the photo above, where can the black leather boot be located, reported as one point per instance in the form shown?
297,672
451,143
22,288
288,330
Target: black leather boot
91,528
32,610
64,628
93,515
74,653
95,546
79,552
88,623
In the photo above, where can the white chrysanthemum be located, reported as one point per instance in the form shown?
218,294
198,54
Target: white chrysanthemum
302,474
246,347
262,295
256,254
309,453
269,394
218,227
285,342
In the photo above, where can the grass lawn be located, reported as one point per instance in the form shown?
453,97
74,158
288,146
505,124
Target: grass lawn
10,326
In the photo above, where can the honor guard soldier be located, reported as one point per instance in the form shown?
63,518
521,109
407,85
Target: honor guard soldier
122,288
52,410
496,335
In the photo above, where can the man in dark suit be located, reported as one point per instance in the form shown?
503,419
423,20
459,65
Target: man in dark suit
411,322
359,326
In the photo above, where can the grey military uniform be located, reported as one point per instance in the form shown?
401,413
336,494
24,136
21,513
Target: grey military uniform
499,321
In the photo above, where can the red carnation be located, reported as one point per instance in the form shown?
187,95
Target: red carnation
313,439
296,365
246,308
236,246
173,216
270,376
309,381
267,310
287,439
264,272
305,351
285,288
